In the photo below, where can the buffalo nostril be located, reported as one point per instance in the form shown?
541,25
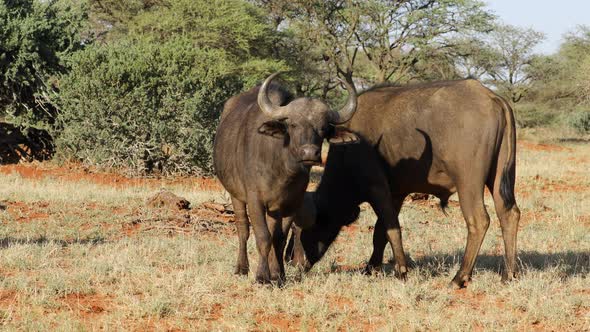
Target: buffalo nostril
310,153
314,153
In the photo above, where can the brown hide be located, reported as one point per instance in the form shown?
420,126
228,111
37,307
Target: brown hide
264,147
436,138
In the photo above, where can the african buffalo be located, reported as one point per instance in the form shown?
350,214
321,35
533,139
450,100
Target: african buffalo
436,138
264,148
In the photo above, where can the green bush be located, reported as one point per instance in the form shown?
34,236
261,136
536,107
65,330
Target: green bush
531,115
35,35
580,121
144,106
148,97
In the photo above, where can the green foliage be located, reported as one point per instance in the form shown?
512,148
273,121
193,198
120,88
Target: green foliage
110,18
34,37
513,47
531,115
136,104
396,39
582,81
580,121
151,101
473,57
562,81
562,78
140,83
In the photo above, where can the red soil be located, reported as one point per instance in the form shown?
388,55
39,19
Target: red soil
215,312
87,305
8,298
77,173
541,147
348,268
339,303
150,324
130,229
548,185
22,212
281,322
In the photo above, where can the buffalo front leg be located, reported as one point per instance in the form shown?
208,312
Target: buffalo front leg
380,239
379,244
388,214
394,235
263,239
243,229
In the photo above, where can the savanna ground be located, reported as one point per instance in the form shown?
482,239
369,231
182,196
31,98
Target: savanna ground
80,250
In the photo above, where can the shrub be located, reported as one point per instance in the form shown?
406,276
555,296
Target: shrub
34,37
534,115
580,121
144,106
148,97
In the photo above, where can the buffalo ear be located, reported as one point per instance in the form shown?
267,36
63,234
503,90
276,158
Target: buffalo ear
273,128
341,136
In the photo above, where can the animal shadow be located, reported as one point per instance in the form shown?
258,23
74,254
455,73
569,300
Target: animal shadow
568,264
9,241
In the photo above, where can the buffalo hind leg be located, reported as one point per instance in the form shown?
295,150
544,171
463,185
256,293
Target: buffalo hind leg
263,239
509,218
379,244
478,221
243,229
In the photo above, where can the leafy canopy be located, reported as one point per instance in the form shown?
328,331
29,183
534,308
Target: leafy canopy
150,99
35,36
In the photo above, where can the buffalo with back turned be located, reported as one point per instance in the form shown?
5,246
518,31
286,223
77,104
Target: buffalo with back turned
435,138
264,148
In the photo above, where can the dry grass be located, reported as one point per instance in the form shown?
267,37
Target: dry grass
74,257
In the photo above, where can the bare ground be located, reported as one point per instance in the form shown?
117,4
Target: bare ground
82,250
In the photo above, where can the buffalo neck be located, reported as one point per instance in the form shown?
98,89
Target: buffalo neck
338,194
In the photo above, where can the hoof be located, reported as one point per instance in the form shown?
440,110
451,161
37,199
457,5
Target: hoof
263,277
299,276
401,272
374,265
459,282
402,276
263,281
277,280
455,286
371,269
509,277
241,270
279,283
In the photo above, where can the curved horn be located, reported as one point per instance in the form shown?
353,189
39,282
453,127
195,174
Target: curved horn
264,101
346,112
